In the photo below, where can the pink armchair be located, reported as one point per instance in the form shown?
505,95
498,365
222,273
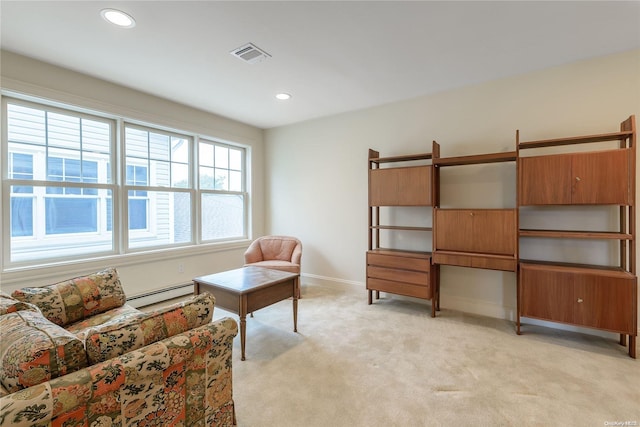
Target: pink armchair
277,252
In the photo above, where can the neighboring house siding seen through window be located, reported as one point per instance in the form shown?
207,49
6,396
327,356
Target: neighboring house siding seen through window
73,190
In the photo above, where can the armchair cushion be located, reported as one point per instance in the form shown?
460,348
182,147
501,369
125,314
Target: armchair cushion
113,339
75,299
269,248
278,265
33,350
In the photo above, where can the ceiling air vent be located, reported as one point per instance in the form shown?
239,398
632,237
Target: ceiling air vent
250,53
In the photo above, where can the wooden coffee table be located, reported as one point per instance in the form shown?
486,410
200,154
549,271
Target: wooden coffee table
249,289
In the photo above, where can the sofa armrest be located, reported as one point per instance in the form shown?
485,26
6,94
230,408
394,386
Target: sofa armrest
185,379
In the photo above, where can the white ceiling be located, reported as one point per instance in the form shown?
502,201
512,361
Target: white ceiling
332,56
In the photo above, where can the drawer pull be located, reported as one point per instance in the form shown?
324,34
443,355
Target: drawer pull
580,300
577,178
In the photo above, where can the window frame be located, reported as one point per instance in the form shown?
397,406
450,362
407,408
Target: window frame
151,229
203,191
118,189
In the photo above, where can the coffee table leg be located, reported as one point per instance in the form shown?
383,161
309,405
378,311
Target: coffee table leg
243,333
243,323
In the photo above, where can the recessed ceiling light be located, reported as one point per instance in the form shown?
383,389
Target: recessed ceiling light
118,17
283,96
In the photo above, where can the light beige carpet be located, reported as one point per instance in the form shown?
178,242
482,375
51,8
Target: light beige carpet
391,364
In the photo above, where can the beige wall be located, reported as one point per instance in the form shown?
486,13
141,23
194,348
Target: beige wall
150,272
315,184
316,173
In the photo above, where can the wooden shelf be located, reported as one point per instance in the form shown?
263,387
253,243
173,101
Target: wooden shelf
403,252
615,136
400,227
508,156
565,234
618,271
405,158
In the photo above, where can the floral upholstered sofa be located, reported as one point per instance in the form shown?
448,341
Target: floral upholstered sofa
74,354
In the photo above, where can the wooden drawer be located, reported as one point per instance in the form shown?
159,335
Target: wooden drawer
415,277
416,263
451,259
490,263
475,261
399,288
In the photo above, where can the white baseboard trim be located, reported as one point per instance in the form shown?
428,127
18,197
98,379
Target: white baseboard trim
328,280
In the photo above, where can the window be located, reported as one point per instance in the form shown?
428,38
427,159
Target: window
157,171
222,199
59,184
67,196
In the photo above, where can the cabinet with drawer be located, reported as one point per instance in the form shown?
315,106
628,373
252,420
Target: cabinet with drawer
400,272
408,186
477,238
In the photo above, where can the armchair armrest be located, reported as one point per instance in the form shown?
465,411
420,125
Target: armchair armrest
296,256
253,253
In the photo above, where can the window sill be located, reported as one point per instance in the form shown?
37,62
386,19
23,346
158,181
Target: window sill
78,267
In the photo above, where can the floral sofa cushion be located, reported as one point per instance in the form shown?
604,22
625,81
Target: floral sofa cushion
75,299
33,350
81,328
115,338
11,305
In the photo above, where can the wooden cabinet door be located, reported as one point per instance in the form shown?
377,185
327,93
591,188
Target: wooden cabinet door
601,178
545,180
546,295
408,186
494,231
383,187
580,179
605,302
486,231
414,186
585,297
454,230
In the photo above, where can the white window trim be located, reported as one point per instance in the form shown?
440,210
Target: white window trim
119,252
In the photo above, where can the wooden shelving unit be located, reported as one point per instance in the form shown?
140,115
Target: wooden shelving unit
600,297
476,238
603,297
395,270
